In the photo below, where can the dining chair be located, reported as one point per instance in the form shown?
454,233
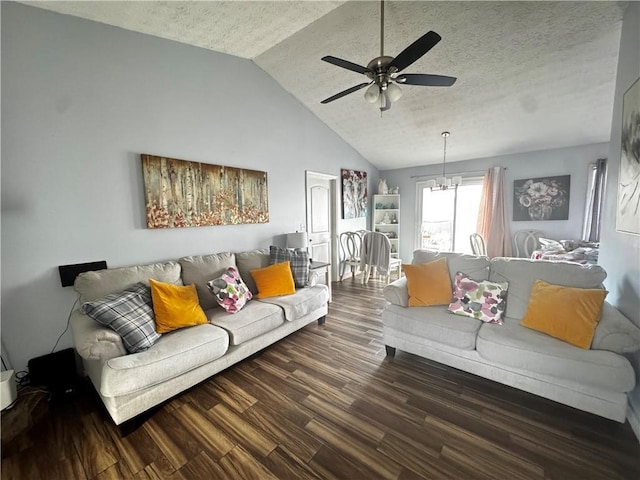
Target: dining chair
478,247
525,242
351,245
375,257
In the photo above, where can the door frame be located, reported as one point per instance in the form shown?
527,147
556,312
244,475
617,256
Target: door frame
333,214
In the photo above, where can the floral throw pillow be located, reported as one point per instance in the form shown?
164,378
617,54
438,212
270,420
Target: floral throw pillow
230,291
483,300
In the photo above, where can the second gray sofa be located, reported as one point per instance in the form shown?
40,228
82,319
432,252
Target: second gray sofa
595,380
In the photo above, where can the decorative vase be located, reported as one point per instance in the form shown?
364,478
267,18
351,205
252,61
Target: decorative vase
382,187
540,212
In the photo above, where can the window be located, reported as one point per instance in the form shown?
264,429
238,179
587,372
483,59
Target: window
595,198
446,218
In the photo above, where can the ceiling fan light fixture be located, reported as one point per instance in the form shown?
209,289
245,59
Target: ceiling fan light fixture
394,92
372,94
384,70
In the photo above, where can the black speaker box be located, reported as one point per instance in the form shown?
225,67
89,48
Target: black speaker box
68,273
56,371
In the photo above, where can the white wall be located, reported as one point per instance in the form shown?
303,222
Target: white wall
572,161
620,252
80,102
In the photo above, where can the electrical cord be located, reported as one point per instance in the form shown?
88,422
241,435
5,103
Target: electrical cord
22,377
67,327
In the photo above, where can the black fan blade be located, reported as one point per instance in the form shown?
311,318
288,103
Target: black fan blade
345,92
346,64
414,51
425,79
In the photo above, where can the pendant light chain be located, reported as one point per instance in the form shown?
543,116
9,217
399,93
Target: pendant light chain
444,159
443,183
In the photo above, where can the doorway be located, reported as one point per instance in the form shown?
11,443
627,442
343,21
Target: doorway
321,199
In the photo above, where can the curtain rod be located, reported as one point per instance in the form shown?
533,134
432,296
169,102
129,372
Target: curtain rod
450,173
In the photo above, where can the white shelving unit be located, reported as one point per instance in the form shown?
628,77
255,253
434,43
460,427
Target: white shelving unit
386,219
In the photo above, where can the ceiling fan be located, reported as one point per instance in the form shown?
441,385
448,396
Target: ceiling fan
383,72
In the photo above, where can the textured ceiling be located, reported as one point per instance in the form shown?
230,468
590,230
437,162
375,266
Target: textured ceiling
531,75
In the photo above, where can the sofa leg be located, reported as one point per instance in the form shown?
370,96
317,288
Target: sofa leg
321,320
130,426
391,351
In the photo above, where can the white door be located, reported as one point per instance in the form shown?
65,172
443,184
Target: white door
320,216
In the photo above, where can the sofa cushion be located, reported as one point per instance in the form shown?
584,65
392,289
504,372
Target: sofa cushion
483,300
521,273
274,280
475,267
298,261
200,269
433,323
303,302
253,320
566,313
175,306
428,283
615,332
230,291
515,346
129,313
93,285
251,260
172,355
397,292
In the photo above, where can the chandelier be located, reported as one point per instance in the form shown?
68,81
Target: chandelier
444,183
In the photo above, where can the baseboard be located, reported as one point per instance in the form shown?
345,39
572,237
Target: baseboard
633,416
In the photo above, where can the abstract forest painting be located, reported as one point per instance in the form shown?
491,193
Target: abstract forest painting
354,193
628,212
181,193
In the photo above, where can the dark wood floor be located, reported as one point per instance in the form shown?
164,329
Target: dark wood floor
326,403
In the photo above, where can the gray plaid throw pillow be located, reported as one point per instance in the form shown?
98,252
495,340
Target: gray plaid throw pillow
130,314
298,260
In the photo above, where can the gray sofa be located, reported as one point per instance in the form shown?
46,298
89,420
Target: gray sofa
130,384
595,380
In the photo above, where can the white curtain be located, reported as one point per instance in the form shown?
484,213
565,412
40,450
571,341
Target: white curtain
595,199
493,220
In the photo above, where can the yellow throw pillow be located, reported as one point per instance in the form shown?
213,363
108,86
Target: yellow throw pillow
566,313
175,306
428,283
274,280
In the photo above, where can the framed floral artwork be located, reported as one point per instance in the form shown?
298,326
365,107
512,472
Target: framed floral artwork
354,193
543,198
628,209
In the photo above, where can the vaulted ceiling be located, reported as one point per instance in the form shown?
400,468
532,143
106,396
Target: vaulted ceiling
531,75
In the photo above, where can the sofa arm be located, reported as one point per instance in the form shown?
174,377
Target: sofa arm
615,332
397,293
94,341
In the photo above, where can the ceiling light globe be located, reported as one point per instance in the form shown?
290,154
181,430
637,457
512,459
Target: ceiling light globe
394,92
372,94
